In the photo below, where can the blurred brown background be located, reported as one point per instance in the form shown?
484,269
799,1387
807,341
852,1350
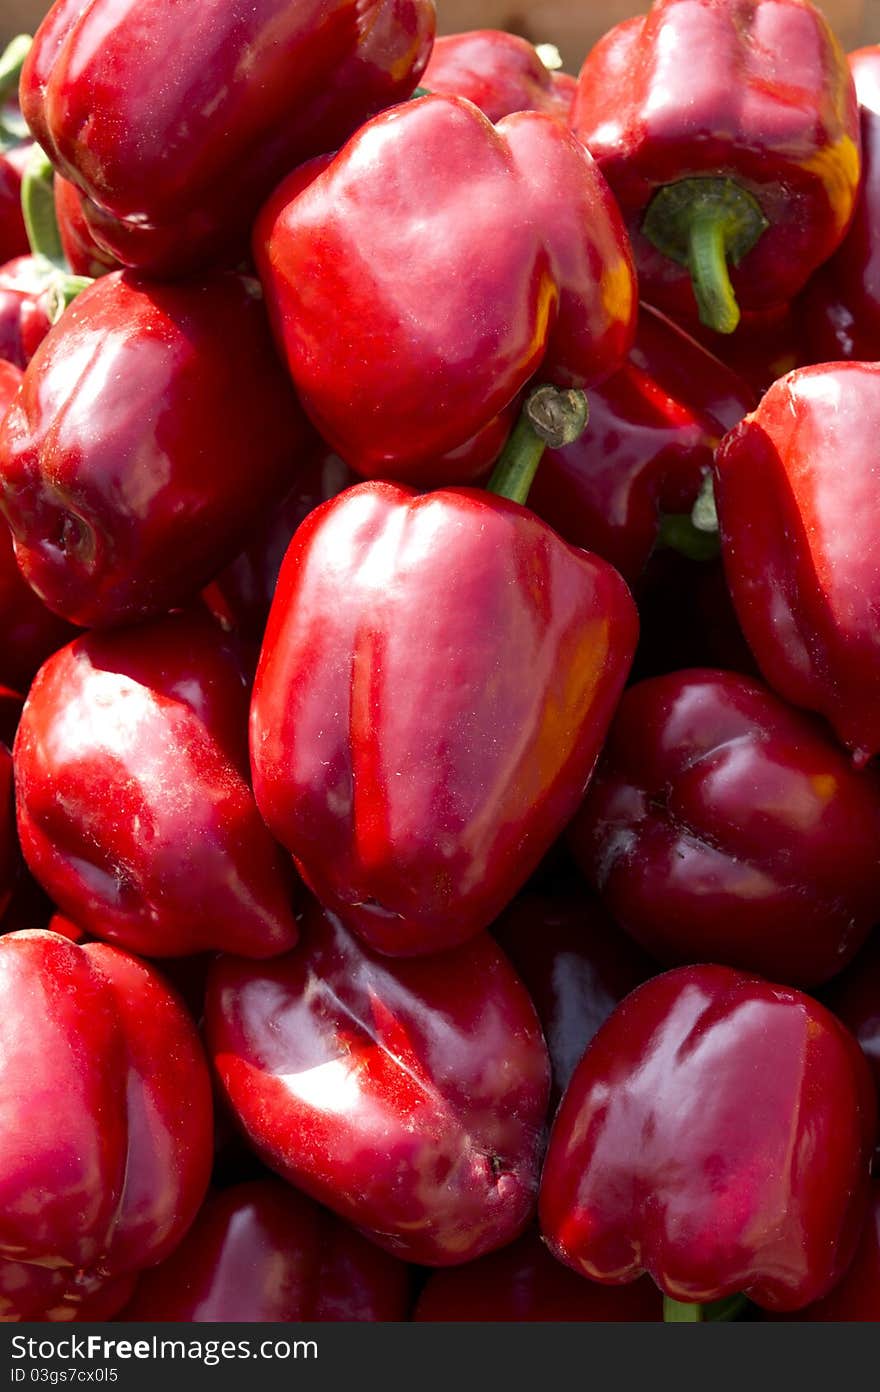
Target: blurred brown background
574,25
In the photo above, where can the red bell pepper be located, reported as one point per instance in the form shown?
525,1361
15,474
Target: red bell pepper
175,136
240,596
718,1134
417,776
24,308
81,251
155,427
524,1283
795,489
840,310
856,1298
156,842
30,631
855,999
259,1252
729,133
724,826
499,72
766,344
59,1295
577,966
647,447
410,322
105,1141
409,1097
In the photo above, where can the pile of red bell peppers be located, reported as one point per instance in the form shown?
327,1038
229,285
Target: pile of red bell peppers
439,667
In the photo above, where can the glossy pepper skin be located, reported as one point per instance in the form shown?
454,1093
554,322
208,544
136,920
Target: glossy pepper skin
716,1134
260,1252
840,310
81,251
24,310
649,443
795,491
106,1112
409,1097
753,91
499,72
176,140
30,631
440,314
59,1295
856,1298
156,843
576,965
417,776
724,826
154,428
523,1282
241,594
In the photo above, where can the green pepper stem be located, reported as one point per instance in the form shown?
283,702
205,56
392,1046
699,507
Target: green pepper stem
678,533
709,274
551,418
38,207
63,290
11,63
679,1312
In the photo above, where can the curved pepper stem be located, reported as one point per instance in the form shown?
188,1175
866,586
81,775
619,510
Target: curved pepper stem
706,224
694,535
38,207
716,1312
550,419
11,63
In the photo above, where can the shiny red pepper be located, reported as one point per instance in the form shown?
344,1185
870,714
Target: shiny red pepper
795,488
723,826
416,775
83,255
856,1298
409,1097
30,631
409,320
154,429
840,310
59,1295
156,842
648,445
577,966
499,72
241,594
765,345
729,133
24,308
13,235
717,1134
260,1251
105,1140
523,1282
176,136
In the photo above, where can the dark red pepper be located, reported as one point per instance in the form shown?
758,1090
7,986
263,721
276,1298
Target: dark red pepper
417,776
717,1134
262,1252
156,842
795,488
106,1116
855,999
409,324
729,133
24,308
154,428
577,966
15,149
176,135
409,1097
499,72
81,251
647,447
840,310
723,826
856,1298
524,1283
